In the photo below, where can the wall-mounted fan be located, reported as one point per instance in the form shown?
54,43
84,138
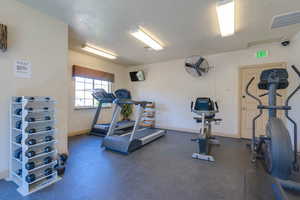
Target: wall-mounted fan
196,65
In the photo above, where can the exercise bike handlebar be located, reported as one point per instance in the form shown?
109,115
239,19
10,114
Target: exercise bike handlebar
217,106
251,95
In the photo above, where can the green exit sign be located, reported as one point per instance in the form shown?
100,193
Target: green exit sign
262,54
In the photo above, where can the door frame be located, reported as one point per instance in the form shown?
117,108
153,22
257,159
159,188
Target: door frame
283,64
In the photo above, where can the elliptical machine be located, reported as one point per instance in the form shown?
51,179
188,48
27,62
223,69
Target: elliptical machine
207,110
275,149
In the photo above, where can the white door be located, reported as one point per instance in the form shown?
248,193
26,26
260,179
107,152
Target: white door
249,105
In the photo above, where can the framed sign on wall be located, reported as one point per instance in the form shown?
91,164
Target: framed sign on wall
3,37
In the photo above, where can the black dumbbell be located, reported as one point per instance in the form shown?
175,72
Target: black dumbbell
48,171
30,165
30,178
47,98
18,111
18,153
47,118
48,128
46,108
19,172
30,154
47,149
31,119
32,130
31,142
63,157
31,98
19,125
30,109
60,169
47,160
19,139
18,99
48,138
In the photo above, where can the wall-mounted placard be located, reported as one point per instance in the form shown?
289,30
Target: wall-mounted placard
3,37
22,69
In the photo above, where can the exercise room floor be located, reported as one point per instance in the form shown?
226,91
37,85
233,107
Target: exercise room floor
162,170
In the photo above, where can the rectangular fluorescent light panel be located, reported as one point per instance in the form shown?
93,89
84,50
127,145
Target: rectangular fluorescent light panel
96,50
146,38
225,12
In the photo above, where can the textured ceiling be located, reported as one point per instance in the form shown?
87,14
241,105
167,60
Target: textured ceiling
185,27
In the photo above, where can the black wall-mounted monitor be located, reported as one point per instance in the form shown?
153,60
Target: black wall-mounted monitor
137,76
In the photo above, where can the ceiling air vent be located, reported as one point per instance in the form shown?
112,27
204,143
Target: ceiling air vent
285,19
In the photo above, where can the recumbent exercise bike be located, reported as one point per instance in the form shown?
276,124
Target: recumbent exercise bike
207,110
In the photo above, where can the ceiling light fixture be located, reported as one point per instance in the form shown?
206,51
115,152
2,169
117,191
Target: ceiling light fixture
98,51
147,38
225,12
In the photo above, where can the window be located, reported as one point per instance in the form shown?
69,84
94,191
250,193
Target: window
83,92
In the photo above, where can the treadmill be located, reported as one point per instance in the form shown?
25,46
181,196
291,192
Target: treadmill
135,139
101,129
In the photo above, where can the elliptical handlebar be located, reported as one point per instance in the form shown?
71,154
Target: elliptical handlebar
253,140
296,70
251,95
295,164
296,90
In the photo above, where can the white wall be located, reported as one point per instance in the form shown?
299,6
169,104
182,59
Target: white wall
80,120
44,42
173,89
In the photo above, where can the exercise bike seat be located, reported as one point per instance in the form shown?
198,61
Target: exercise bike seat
210,119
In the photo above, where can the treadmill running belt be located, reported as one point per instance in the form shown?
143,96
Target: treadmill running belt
141,137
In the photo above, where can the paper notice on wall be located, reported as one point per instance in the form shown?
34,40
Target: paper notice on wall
22,69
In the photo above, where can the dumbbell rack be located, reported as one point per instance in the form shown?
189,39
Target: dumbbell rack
148,118
32,118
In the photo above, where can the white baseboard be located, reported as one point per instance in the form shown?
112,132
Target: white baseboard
186,130
230,135
4,174
81,132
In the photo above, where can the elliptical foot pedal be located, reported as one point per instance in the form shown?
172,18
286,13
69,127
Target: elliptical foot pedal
203,157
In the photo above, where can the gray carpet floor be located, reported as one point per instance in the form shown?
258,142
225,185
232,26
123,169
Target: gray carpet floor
162,170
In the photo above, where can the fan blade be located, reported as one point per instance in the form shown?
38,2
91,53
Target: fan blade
188,65
198,64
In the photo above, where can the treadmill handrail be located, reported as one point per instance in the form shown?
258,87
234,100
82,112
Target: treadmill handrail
129,101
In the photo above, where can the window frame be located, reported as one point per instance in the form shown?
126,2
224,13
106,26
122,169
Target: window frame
84,90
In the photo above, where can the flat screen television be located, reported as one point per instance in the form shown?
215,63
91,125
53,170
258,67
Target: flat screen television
137,76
